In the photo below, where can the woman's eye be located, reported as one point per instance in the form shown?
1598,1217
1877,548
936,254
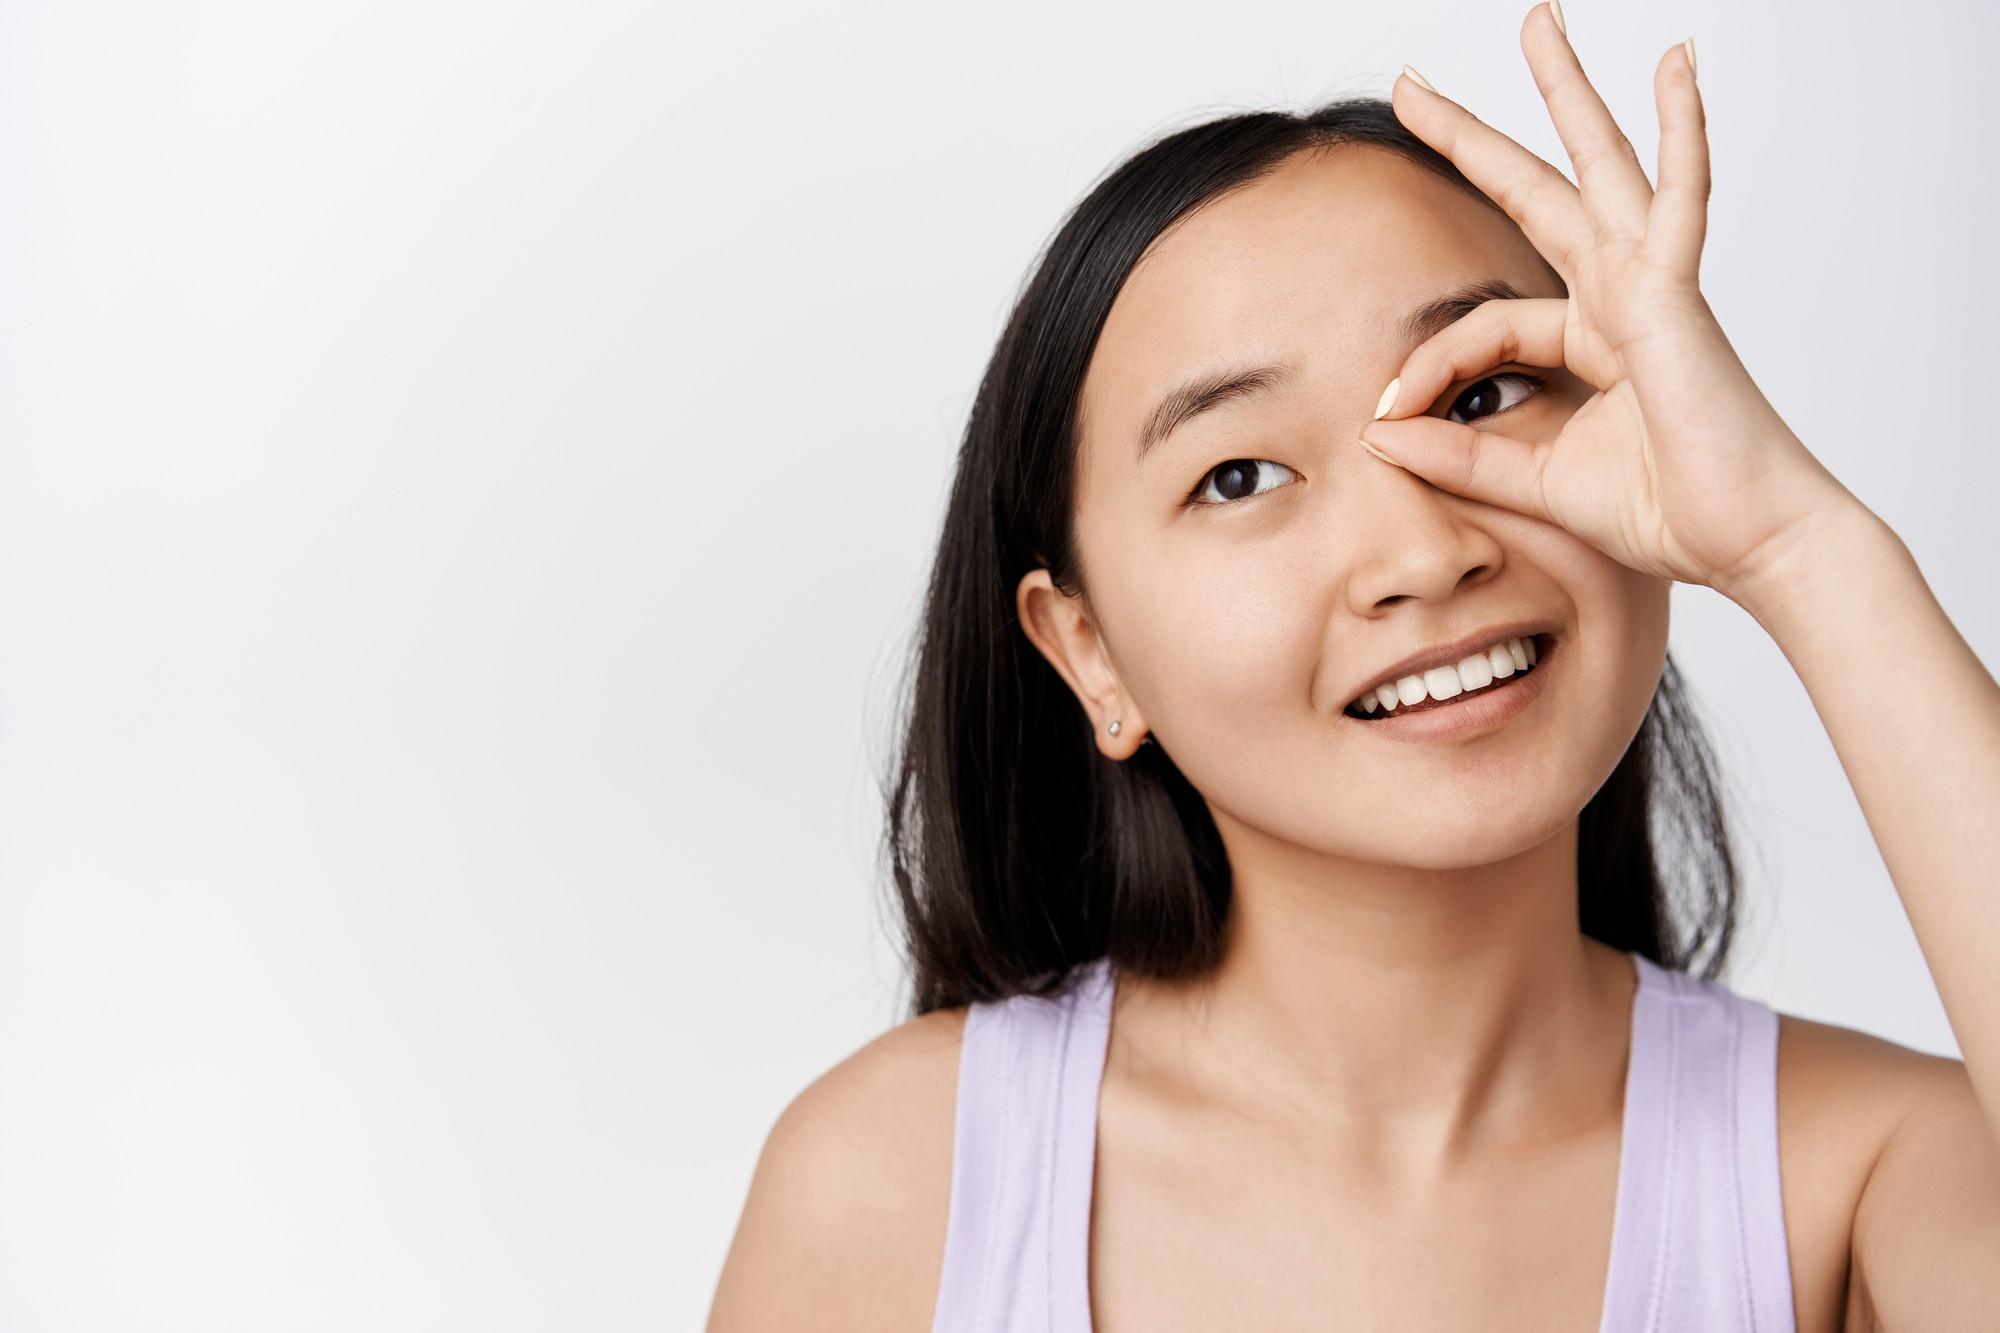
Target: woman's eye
1482,399
1232,481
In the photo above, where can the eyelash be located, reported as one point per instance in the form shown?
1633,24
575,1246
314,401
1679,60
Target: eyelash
1535,382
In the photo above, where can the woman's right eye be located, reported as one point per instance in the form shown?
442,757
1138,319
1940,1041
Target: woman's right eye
1231,481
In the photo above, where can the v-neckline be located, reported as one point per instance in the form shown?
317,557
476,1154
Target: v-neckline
1645,1148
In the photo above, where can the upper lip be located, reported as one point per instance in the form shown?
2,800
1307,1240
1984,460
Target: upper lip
1450,654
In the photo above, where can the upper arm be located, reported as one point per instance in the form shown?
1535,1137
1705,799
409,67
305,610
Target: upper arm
1926,1237
844,1224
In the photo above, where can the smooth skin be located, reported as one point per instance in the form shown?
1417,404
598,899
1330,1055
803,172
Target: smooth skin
1259,1163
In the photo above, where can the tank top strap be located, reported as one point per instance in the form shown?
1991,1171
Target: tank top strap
1699,1238
1023,1151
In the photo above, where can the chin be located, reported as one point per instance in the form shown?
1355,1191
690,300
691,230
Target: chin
1454,837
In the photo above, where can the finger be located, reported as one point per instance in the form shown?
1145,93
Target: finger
1540,199
1616,193
1480,465
1529,330
1679,217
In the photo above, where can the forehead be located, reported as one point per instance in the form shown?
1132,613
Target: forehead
1314,264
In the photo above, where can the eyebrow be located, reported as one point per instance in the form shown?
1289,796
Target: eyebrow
1211,389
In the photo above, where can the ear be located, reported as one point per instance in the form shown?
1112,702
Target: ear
1059,625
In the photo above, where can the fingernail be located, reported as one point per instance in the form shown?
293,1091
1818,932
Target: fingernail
1688,46
1556,13
1388,398
1421,80
1379,454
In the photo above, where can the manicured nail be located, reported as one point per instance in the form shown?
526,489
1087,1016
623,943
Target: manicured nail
1688,46
1556,13
1388,398
1420,79
1379,454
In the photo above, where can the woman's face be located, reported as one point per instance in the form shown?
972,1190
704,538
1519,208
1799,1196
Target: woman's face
1254,571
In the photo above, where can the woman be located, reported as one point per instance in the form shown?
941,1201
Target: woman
1275,829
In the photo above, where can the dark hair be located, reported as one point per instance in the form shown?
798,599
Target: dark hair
1018,850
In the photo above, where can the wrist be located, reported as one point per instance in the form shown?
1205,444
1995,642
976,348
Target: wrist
1813,557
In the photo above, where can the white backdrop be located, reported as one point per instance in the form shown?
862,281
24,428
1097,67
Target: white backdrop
469,472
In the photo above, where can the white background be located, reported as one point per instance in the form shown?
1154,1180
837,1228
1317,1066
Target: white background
469,471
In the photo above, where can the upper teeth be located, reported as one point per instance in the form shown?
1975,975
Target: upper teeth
1469,673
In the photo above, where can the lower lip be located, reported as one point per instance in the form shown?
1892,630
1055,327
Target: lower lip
1485,711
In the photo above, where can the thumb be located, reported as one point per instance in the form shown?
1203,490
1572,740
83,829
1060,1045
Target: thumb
1478,464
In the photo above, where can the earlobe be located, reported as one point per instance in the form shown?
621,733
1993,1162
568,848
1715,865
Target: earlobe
1117,725
1060,627
1123,725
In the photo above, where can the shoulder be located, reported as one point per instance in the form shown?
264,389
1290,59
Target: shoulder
1827,1065
1840,1085
1926,1203
1841,1093
844,1226
1858,1118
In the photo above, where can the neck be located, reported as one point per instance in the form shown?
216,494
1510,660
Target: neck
1416,1016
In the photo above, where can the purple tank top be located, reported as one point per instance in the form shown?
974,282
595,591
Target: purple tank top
1698,1235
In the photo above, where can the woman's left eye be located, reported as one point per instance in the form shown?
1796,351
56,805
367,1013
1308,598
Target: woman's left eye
1481,399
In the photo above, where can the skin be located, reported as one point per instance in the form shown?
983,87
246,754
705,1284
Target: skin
1478,1058
1436,915
1409,1049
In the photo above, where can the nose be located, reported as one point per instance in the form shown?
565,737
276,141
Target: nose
1409,539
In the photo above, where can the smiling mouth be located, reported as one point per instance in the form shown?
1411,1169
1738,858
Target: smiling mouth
1544,645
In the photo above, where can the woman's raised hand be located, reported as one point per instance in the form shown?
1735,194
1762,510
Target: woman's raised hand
1678,466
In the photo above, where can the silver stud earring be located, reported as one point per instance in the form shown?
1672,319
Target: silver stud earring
1114,726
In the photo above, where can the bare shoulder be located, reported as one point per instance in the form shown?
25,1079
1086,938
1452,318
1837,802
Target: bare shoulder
1842,1093
1923,1217
844,1225
1844,1072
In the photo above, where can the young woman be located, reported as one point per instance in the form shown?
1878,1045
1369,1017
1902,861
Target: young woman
1292,754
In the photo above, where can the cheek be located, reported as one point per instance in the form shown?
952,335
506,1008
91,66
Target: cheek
1638,654
1619,614
1620,638
1227,652
1625,615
